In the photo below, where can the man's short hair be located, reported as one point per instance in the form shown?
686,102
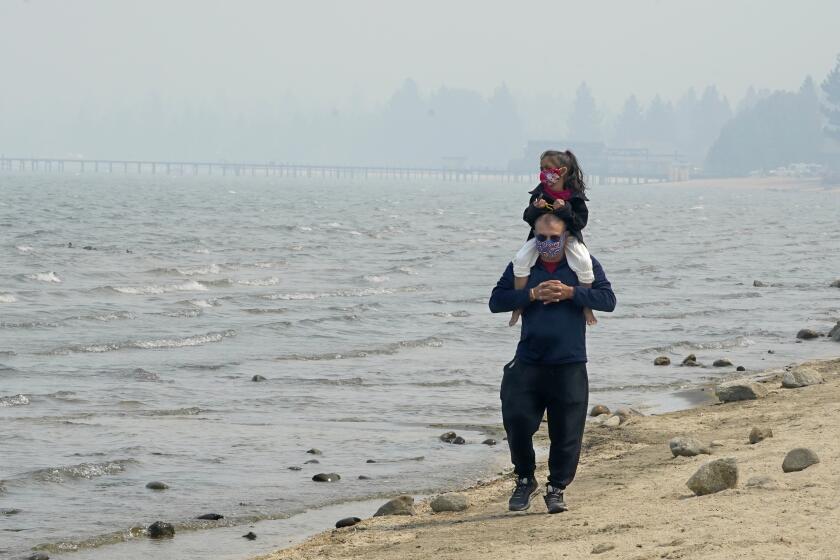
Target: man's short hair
550,216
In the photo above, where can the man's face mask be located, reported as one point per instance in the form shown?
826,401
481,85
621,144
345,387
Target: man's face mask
551,246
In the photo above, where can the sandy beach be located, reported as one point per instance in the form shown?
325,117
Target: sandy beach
630,499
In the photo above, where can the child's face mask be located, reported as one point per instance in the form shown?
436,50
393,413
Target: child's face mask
551,176
551,246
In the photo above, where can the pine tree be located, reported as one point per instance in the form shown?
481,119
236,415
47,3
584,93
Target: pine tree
831,107
630,124
585,120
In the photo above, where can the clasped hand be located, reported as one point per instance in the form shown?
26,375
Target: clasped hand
552,291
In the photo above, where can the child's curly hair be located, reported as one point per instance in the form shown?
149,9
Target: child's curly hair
574,175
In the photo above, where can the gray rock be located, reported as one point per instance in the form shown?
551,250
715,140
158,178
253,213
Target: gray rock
600,419
346,522
489,441
834,333
690,360
722,362
315,451
764,482
662,361
801,376
714,476
687,447
370,461
156,485
250,535
38,556
211,517
799,459
613,421
295,468
458,441
161,530
598,410
759,284
740,391
450,502
625,413
364,477
258,378
603,547
401,505
448,437
326,477
740,368
807,334
760,434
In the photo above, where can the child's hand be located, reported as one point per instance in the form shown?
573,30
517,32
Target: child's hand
559,203
540,203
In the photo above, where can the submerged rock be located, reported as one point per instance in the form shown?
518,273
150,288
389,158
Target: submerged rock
448,436
807,334
401,505
250,535
312,462
662,361
799,459
9,511
758,434
326,477
690,360
801,376
598,410
759,284
489,441
38,556
211,517
364,477
295,468
740,368
370,461
258,378
740,391
714,476
347,522
450,502
458,441
687,447
161,530
157,485
723,362
835,284
315,451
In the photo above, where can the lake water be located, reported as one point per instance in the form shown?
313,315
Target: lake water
132,361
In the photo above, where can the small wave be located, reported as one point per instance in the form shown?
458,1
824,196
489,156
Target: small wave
141,374
687,345
188,286
27,325
50,277
104,317
14,400
393,348
740,295
373,279
7,298
24,248
202,303
153,344
187,411
361,292
447,315
189,270
262,311
273,281
82,471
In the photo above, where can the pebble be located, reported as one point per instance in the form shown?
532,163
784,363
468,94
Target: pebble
401,505
758,434
314,451
603,547
687,447
662,361
807,334
598,410
714,476
449,502
801,376
157,485
740,391
211,516
161,530
250,535
326,477
346,522
489,441
448,436
722,362
799,459
258,378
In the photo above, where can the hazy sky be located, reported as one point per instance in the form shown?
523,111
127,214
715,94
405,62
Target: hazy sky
57,52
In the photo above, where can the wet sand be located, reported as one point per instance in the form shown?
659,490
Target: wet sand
630,497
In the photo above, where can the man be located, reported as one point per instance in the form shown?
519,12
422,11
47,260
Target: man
548,372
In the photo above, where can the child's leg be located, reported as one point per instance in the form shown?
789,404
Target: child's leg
580,261
525,258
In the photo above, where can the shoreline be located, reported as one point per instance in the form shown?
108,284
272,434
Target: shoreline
630,492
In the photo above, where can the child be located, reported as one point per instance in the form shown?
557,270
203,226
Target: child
561,191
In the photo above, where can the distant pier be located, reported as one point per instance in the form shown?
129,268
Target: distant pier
624,167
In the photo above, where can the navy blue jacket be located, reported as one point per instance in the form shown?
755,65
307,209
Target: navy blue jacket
553,333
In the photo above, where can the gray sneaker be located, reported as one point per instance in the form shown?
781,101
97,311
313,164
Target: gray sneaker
554,501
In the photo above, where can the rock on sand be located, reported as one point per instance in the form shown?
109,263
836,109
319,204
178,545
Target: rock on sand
598,410
714,476
450,502
740,391
834,333
760,433
687,447
799,459
801,376
401,505
346,522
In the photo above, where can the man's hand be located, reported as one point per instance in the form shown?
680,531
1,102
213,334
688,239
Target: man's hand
553,291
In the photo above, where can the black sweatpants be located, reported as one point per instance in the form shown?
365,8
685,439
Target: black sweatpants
530,390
